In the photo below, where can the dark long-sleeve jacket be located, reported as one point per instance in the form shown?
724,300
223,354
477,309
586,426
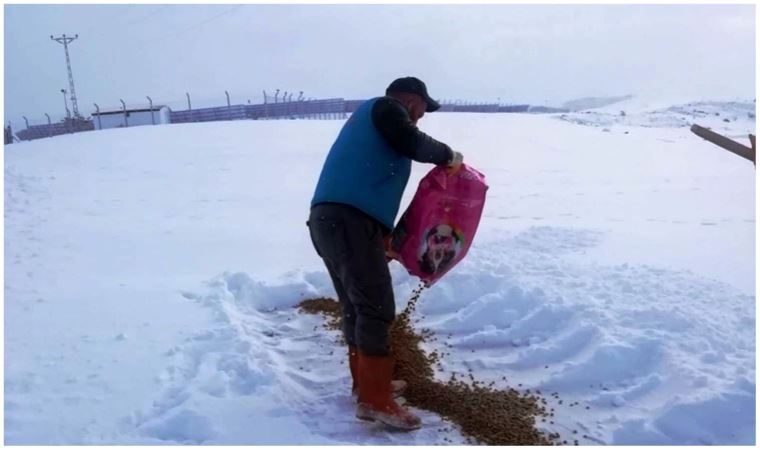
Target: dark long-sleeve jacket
393,122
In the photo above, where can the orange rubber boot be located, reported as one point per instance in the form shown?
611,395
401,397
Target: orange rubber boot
353,364
375,400
397,386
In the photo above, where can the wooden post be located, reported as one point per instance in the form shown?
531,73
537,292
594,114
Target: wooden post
726,143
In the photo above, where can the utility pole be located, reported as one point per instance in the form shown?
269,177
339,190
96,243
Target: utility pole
65,41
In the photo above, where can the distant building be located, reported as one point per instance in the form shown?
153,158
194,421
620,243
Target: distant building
8,135
135,116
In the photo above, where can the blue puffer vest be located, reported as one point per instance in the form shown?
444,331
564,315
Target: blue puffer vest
363,171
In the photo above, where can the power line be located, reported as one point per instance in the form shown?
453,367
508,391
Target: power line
146,16
192,27
104,25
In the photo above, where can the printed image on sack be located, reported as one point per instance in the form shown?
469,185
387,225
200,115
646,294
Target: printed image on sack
440,247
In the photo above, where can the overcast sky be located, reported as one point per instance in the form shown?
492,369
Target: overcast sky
543,54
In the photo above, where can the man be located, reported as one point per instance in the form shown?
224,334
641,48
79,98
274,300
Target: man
353,210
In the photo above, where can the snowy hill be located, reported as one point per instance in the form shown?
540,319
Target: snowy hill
151,275
734,118
593,102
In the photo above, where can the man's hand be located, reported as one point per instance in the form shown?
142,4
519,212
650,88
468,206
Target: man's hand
455,163
390,255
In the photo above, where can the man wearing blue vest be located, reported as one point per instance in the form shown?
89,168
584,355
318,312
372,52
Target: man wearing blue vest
353,210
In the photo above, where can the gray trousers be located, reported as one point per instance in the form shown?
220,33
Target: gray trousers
351,245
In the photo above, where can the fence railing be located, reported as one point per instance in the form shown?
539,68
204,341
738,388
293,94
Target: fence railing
324,109
234,112
55,129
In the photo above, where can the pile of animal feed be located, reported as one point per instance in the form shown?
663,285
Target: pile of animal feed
483,412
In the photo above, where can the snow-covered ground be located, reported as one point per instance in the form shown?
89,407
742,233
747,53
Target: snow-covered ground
150,275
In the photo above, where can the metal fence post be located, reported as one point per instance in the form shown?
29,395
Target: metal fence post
152,118
189,107
229,110
67,121
97,112
287,105
266,106
124,108
50,127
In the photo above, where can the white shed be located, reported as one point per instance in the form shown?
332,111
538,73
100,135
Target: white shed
135,116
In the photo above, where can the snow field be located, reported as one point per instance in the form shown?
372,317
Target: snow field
151,275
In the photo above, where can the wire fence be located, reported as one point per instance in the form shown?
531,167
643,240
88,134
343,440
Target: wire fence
281,108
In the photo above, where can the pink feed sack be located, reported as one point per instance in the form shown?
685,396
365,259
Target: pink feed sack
436,230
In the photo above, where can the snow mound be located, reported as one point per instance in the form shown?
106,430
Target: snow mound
633,351
603,336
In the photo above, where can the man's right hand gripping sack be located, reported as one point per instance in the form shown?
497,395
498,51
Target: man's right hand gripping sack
438,227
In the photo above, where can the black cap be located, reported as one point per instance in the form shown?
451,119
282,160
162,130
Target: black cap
414,86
